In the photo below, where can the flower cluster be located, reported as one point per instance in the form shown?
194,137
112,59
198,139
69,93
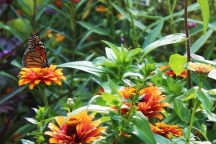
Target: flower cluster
58,37
76,130
151,104
40,75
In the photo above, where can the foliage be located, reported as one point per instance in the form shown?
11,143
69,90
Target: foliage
124,63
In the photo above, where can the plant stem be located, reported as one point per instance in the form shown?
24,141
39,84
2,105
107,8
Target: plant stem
172,24
42,90
192,118
111,21
195,105
34,17
187,45
133,26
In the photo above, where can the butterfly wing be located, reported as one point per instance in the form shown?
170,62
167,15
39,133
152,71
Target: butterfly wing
33,59
35,55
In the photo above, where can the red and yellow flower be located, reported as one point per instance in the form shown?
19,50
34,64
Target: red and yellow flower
40,75
77,129
151,105
166,69
166,130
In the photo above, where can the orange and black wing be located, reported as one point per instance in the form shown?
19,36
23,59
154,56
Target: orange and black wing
33,59
35,55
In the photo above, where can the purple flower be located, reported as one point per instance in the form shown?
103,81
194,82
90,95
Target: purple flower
191,24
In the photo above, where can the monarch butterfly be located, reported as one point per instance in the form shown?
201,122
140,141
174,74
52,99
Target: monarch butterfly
35,55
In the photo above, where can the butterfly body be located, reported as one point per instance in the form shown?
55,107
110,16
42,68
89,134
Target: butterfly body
35,55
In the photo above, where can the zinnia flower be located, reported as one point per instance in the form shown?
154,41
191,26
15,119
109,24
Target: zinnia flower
59,37
151,104
170,72
201,68
40,75
127,92
100,9
167,130
77,129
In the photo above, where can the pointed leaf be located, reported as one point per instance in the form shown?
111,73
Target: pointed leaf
140,127
182,111
170,39
204,99
205,13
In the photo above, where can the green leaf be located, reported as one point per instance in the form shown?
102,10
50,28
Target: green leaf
212,74
86,66
11,94
204,131
113,86
31,120
112,46
110,54
134,52
177,63
153,34
181,111
189,94
140,127
91,108
109,97
24,141
208,53
102,61
161,140
94,28
126,15
212,117
204,99
199,42
205,13
170,39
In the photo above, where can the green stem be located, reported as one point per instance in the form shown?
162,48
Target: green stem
200,85
172,24
42,89
133,26
192,118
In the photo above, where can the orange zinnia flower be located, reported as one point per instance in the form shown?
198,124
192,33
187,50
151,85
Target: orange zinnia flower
100,9
167,130
77,129
40,75
127,92
171,73
59,37
151,104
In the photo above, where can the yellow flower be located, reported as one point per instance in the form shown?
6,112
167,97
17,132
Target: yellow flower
49,34
78,129
167,130
201,68
100,9
59,37
40,75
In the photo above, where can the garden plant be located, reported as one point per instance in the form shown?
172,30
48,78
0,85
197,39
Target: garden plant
107,71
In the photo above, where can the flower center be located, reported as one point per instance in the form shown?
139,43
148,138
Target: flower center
71,125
